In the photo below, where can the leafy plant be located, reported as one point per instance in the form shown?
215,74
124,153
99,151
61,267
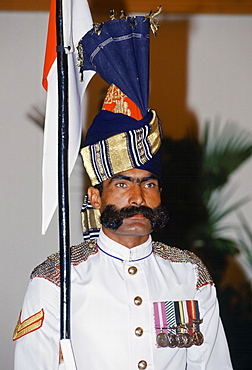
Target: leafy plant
196,187
245,238
222,153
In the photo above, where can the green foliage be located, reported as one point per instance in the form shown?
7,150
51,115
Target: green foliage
196,189
245,238
223,152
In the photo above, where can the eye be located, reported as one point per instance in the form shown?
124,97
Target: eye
121,184
150,184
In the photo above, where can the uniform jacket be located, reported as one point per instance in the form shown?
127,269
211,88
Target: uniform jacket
114,323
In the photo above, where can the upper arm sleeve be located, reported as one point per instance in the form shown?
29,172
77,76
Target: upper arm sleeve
37,346
214,352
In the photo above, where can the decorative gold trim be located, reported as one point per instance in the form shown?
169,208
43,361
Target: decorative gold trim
90,220
154,137
85,153
153,21
50,268
29,325
178,255
118,152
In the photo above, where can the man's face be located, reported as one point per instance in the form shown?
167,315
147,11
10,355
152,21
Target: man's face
131,188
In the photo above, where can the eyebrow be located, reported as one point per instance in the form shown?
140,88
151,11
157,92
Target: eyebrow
131,179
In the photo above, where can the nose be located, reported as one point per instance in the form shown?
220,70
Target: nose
136,196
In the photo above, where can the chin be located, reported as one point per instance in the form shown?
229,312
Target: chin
136,227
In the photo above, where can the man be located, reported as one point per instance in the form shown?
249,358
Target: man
115,284
135,304
119,284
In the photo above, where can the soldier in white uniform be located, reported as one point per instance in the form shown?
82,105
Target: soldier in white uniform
135,303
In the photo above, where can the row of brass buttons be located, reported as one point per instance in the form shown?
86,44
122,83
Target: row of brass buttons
138,331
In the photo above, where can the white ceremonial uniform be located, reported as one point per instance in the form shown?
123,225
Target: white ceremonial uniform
113,327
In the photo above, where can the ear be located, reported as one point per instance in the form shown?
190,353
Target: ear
94,197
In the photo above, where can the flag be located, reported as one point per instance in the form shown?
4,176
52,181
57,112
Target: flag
77,21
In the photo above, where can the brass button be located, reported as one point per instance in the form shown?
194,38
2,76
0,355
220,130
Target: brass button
91,244
138,331
132,270
142,364
138,301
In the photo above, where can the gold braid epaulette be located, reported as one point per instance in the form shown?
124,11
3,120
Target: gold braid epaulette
50,268
178,255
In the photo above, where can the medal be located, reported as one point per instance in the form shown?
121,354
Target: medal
162,340
171,340
177,324
198,338
189,339
181,340
162,336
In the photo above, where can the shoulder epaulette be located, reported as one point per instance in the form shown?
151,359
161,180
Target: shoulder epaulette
178,255
50,268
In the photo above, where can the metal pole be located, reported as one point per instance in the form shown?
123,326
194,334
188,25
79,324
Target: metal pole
63,198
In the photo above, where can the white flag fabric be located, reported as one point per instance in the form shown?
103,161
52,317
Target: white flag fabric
77,21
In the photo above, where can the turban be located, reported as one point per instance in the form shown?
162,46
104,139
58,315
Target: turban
125,134
116,143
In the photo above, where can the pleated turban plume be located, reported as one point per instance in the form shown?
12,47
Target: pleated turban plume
125,134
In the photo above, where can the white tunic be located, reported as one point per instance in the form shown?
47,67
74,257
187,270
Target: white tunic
105,314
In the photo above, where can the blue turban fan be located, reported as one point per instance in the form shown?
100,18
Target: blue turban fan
118,51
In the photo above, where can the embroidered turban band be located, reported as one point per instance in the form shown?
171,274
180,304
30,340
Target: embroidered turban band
134,148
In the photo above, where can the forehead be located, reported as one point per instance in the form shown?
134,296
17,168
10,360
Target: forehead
134,174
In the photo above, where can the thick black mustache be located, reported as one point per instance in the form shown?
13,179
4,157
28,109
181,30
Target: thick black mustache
111,218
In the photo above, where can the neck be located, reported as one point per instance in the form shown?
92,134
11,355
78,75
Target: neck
129,241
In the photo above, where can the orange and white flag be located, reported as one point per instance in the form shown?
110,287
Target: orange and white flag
77,21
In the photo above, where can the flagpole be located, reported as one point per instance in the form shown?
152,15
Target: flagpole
63,196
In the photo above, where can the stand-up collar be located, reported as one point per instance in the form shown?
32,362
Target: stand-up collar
119,251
